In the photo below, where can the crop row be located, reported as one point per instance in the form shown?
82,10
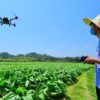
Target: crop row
38,81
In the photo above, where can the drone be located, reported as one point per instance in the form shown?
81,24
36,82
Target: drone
7,21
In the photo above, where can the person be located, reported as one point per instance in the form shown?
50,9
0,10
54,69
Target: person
95,30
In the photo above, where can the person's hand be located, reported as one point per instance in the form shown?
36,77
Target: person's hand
90,60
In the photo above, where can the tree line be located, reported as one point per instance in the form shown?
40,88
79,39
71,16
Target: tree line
33,57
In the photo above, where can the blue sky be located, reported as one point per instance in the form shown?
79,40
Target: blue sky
53,27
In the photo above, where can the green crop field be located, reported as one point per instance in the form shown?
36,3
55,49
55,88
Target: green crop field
39,80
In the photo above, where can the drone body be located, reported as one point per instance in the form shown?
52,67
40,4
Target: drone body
6,20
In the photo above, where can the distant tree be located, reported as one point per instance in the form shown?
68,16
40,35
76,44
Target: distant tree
20,55
6,55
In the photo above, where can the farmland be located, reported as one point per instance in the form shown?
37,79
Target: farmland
38,80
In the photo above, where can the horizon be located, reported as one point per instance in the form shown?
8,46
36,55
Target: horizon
52,27
41,54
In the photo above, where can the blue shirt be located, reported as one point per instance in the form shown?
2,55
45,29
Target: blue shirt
97,68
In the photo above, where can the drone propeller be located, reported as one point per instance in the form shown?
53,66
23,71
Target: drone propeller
14,25
16,17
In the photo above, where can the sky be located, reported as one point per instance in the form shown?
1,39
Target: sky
52,27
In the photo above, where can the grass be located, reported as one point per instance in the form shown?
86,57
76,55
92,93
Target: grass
84,89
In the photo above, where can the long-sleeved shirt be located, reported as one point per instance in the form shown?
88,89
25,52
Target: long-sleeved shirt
97,68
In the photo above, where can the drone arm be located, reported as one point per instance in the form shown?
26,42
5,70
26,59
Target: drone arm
13,25
1,23
12,19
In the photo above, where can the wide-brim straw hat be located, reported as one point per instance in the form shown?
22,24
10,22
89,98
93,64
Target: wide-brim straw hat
95,21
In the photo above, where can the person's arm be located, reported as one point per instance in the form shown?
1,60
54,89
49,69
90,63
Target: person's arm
97,61
90,60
